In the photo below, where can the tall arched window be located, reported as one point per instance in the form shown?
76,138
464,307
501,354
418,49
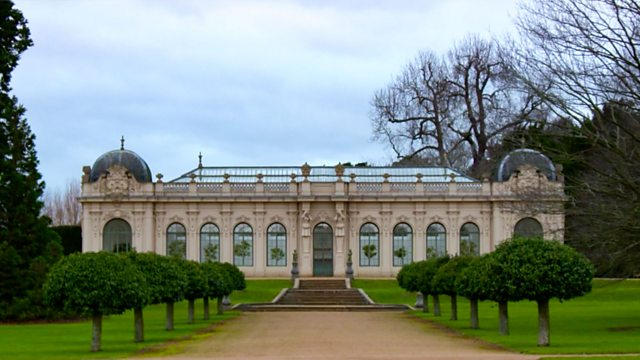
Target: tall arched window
243,245
177,240
528,227
209,243
402,244
369,245
116,236
276,245
469,239
436,240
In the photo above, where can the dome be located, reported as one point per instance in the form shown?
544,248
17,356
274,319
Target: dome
125,158
517,158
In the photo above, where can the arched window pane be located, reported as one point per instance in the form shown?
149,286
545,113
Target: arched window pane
369,245
436,240
116,236
243,245
469,239
209,243
528,227
177,241
276,245
402,244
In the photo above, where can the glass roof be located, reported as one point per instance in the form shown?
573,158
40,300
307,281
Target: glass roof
273,174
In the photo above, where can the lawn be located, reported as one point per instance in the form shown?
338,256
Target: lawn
606,321
72,340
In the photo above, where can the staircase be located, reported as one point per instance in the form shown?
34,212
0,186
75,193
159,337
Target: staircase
322,295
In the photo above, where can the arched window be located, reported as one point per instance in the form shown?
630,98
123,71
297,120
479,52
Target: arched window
209,243
369,245
469,239
402,244
243,245
276,245
436,240
116,236
177,240
528,227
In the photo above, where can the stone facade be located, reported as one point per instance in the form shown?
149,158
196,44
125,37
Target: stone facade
299,204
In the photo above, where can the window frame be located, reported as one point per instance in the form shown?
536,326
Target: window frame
280,236
238,237
409,248
374,261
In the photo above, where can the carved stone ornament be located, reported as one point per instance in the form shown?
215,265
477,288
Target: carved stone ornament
276,219
242,219
117,182
306,170
339,170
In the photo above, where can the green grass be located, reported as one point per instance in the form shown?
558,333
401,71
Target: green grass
606,321
72,340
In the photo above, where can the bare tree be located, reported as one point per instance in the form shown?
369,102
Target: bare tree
443,107
582,58
62,205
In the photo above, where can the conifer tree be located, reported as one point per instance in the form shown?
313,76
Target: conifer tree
27,245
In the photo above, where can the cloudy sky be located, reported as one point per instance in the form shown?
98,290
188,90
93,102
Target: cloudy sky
244,82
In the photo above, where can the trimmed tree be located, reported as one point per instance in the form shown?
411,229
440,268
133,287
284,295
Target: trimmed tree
238,282
173,286
407,279
95,284
426,271
219,284
541,270
444,281
499,288
195,287
472,284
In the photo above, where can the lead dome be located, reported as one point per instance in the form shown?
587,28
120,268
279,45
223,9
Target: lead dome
125,158
517,158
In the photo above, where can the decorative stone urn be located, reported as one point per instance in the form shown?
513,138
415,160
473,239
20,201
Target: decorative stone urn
349,271
294,265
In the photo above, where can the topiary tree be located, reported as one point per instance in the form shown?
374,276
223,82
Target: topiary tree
196,285
424,281
472,284
95,284
173,285
541,270
444,281
219,284
407,279
237,278
499,288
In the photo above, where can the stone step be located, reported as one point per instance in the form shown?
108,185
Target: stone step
277,307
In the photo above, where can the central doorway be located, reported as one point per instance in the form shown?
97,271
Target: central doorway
322,250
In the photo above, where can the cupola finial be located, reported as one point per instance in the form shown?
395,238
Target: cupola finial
200,160
122,143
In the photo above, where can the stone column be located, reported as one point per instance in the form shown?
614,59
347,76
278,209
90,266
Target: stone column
339,234
259,241
161,243
193,248
305,256
226,235
386,241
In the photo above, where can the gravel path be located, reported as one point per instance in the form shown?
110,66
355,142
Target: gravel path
337,335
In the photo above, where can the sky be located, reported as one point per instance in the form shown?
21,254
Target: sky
244,82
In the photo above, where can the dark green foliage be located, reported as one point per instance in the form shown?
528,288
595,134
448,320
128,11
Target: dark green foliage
540,270
165,277
196,286
473,281
27,245
444,281
95,284
418,276
219,282
237,276
407,277
70,237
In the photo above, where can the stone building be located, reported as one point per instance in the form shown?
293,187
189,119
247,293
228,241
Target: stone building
256,217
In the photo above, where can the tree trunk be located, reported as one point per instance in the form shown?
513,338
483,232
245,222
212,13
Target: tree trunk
503,311
190,311
436,305
419,301
169,316
454,307
96,335
205,302
426,303
138,325
543,322
220,305
473,305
